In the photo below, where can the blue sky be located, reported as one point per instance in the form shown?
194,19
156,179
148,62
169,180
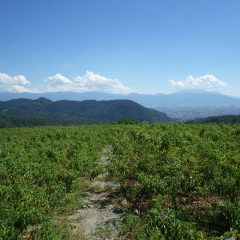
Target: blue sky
146,46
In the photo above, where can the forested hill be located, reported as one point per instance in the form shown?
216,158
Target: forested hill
229,119
67,112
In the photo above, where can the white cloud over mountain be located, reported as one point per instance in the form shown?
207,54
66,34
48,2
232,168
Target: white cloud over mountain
59,79
206,82
89,82
17,83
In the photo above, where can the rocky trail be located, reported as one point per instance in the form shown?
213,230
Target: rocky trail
101,214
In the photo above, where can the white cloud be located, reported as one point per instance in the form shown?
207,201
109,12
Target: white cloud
59,79
17,83
89,82
206,82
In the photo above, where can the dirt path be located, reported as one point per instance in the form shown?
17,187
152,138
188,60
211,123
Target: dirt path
101,214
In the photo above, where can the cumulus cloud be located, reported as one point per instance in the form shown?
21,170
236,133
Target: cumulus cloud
206,82
59,79
89,82
17,83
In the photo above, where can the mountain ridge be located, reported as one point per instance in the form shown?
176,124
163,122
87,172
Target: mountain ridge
87,111
178,99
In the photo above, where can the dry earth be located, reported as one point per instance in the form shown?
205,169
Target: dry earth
101,214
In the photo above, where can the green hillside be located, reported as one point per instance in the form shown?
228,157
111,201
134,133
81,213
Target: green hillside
43,111
227,119
177,181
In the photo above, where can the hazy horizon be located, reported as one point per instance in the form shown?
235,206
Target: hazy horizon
126,94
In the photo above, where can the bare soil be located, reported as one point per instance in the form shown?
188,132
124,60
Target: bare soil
101,215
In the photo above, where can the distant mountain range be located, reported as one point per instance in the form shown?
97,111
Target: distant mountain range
179,99
180,105
43,110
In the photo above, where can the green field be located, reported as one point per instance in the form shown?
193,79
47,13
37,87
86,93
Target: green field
181,181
